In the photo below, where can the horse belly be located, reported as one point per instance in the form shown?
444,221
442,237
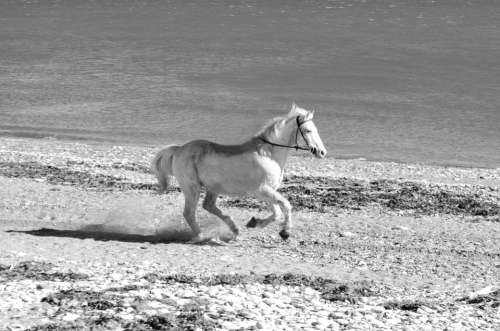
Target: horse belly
238,175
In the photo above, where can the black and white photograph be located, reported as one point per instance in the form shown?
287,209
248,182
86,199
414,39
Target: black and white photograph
249,165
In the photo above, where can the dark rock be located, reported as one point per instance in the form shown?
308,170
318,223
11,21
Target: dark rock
404,305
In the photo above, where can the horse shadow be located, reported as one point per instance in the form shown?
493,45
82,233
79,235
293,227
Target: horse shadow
99,233
103,232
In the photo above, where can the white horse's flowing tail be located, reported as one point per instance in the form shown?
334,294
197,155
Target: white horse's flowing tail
162,166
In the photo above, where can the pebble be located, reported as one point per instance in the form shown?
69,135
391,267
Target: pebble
70,317
342,321
401,228
126,316
157,293
347,234
188,294
337,315
425,310
484,291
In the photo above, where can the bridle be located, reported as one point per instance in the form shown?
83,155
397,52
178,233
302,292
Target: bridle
296,147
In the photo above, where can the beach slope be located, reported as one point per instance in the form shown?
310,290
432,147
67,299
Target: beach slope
86,243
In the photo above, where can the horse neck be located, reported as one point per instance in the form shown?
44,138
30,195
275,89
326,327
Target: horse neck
286,136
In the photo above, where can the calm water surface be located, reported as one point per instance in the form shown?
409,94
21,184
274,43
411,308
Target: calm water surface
414,81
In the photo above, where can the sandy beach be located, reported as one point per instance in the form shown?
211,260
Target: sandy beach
87,244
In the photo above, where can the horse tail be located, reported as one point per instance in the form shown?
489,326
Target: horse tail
162,166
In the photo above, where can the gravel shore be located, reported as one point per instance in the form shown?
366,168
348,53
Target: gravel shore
87,244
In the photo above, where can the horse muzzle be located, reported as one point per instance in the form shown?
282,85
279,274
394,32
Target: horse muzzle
319,153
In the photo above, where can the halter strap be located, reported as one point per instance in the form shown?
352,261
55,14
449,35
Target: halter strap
296,147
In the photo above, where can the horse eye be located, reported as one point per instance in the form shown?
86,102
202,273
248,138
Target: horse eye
306,131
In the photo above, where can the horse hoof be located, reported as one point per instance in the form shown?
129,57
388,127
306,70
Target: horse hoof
284,234
216,242
199,239
252,223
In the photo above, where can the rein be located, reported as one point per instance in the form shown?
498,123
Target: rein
296,147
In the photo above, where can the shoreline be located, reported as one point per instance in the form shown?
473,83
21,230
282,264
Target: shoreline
59,152
110,142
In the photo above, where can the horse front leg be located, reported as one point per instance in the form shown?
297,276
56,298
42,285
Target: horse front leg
263,222
267,193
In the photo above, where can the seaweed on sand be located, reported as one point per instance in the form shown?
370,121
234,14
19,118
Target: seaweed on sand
320,193
40,271
491,299
305,192
190,319
407,305
64,176
330,289
94,308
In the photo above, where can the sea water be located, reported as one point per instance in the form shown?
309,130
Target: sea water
403,80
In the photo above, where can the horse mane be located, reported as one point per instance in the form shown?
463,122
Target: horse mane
272,127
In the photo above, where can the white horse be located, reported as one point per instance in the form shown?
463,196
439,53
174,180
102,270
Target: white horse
253,168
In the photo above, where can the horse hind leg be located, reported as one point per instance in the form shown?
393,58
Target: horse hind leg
163,183
191,197
210,206
263,222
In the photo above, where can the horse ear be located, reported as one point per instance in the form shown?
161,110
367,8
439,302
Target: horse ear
294,107
310,115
